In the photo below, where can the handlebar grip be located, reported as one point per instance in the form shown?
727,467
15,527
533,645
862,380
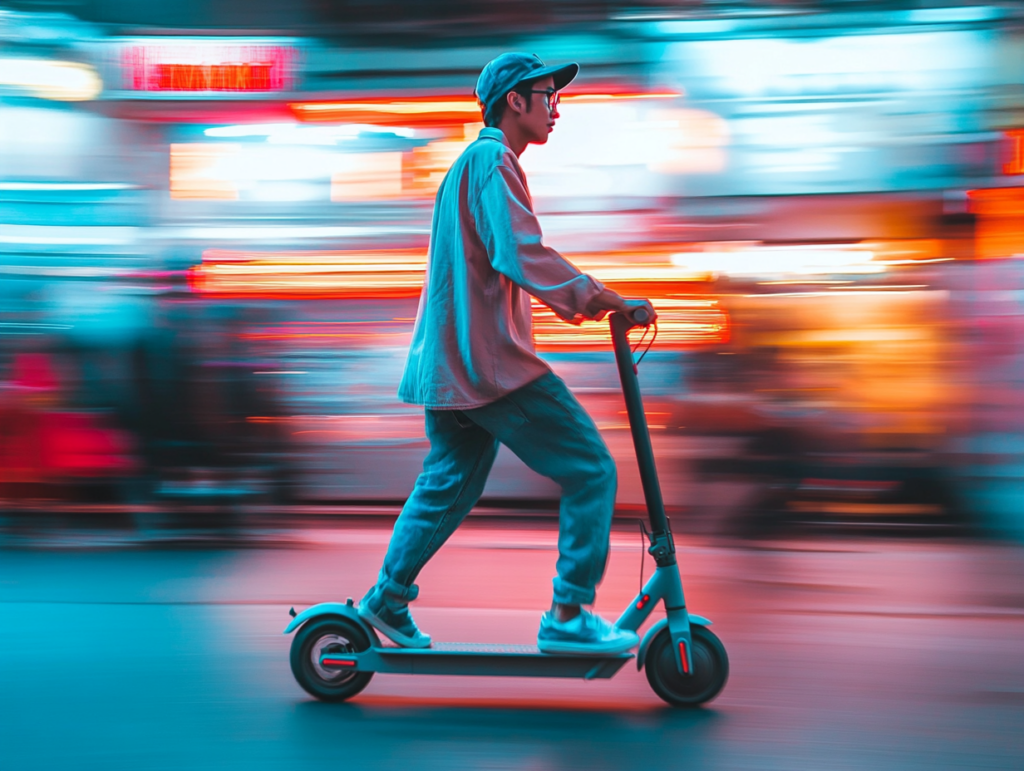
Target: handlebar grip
640,316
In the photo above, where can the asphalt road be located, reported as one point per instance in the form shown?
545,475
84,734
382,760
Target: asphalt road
845,655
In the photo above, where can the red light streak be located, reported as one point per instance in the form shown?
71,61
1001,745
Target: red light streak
440,110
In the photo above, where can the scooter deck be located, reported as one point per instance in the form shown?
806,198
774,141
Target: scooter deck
476,659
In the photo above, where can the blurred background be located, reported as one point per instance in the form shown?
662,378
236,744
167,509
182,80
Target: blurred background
214,222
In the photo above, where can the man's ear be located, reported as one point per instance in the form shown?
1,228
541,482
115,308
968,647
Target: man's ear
515,101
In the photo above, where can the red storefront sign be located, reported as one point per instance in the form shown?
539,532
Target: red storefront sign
200,66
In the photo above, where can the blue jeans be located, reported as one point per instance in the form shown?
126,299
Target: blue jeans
548,429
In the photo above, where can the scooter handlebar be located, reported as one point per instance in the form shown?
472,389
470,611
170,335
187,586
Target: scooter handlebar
636,315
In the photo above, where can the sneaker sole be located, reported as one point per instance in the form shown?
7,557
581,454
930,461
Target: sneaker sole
393,634
584,649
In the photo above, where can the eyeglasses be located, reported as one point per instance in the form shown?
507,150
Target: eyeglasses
552,98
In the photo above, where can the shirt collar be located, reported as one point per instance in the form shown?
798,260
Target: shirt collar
490,132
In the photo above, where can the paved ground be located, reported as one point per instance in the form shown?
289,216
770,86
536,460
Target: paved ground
845,654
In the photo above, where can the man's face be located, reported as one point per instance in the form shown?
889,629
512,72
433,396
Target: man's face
538,121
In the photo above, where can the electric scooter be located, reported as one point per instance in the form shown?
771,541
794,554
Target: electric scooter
335,653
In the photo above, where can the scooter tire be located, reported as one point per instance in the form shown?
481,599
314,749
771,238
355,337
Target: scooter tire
332,634
710,668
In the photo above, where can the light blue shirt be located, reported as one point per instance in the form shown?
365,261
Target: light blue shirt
473,339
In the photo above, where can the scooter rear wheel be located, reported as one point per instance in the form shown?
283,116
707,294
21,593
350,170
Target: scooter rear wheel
710,668
333,634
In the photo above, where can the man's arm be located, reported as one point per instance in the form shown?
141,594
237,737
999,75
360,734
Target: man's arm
512,236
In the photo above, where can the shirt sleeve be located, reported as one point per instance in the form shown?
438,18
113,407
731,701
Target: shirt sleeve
511,234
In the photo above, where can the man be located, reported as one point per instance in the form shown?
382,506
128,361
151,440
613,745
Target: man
473,367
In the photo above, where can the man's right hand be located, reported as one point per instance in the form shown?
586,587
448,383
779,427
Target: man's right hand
633,305
608,300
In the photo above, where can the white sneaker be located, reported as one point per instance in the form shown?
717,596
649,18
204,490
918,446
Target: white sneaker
586,633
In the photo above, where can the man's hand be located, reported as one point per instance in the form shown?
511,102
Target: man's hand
612,301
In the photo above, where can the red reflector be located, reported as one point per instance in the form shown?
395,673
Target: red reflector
338,662
643,601
682,657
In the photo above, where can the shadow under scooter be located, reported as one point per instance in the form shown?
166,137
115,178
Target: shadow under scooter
335,653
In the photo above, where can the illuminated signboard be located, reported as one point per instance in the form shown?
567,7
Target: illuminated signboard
208,65
1015,156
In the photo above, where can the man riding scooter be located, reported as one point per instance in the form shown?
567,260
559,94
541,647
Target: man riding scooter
473,367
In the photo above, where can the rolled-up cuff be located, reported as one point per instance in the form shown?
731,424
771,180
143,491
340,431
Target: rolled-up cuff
570,594
395,593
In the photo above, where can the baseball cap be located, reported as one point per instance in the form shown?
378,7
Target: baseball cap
501,75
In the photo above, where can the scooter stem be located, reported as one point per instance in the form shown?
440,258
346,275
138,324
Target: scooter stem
621,323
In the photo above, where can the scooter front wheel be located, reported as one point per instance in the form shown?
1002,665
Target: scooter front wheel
333,634
710,668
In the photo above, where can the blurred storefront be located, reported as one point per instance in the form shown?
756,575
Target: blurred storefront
215,237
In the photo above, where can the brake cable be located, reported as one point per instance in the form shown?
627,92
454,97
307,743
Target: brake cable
640,342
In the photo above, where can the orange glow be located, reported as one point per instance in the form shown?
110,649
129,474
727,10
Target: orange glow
425,167
683,321
688,315
390,273
424,111
999,229
193,172
1015,165
397,272
685,318
370,177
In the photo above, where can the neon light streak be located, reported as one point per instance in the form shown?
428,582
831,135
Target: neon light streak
434,109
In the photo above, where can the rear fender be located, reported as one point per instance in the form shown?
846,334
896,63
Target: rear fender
653,632
343,609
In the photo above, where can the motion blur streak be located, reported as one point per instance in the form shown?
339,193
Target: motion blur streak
393,273
436,111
